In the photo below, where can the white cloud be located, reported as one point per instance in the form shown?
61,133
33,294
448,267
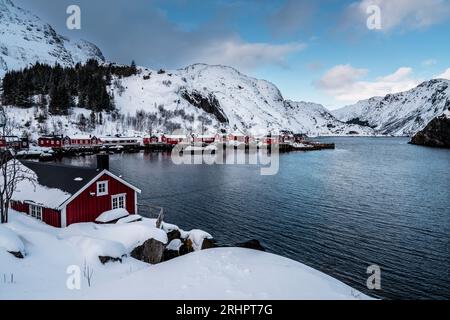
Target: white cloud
444,75
345,83
403,14
245,55
429,62
340,76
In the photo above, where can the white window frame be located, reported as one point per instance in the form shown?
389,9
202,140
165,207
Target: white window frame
105,192
36,212
117,197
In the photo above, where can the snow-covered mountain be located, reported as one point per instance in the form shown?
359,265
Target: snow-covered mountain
403,113
215,97
25,39
226,98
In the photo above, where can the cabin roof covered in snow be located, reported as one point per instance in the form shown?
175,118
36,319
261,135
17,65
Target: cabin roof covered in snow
69,179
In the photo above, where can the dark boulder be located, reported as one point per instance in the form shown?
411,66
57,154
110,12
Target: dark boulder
186,247
170,254
151,251
18,255
172,235
105,260
436,133
209,244
251,244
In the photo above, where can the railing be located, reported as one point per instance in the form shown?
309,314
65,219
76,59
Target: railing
152,212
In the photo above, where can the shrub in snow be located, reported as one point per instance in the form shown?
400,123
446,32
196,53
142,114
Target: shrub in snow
10,242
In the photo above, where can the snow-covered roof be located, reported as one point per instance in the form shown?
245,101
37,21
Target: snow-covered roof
118,138
81,137
175,136
30,190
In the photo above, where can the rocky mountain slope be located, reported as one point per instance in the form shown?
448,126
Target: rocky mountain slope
222,97
403,113
25,39
436,133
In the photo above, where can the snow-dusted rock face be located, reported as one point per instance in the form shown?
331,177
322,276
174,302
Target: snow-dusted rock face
26,39
314,119
403,113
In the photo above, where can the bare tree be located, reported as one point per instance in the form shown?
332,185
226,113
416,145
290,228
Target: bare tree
12,172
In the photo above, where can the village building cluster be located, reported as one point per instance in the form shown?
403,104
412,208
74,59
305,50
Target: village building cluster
91,141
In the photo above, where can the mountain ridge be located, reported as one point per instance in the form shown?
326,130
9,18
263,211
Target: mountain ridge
401,114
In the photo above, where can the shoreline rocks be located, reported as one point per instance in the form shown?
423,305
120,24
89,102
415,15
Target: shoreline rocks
436,133
151,251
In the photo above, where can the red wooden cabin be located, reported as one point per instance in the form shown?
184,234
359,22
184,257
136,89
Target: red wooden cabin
51,142
204,139
148,140
83,193
2,143
270,140
174,139
239,137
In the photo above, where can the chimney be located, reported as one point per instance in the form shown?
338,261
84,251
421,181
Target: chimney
103,161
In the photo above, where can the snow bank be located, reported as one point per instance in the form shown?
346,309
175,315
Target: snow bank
93,248
129,235
230,274
222,273
9,241
112,215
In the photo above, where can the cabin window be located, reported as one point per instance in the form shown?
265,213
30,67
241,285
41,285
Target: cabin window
36,212
118,202
102,188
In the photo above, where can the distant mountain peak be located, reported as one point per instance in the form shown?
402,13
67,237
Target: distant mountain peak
26,39
403,113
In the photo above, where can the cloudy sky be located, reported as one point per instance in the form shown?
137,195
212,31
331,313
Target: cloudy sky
313,50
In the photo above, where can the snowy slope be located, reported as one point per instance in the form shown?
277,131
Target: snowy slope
228,98
25,39
225,273
403,113
314,119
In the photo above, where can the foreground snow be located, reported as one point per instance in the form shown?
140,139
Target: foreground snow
226,273
223,273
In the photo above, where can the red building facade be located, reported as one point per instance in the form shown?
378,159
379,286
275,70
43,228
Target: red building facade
104,192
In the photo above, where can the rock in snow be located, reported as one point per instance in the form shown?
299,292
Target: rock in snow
10,242
151,251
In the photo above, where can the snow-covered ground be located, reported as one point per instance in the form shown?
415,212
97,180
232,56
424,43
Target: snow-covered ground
225,273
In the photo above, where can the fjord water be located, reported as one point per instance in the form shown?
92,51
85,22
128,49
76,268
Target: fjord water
371,201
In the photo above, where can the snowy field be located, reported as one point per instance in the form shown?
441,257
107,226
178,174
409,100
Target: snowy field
223,273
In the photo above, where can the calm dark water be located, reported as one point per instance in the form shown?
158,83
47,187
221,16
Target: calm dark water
370,201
